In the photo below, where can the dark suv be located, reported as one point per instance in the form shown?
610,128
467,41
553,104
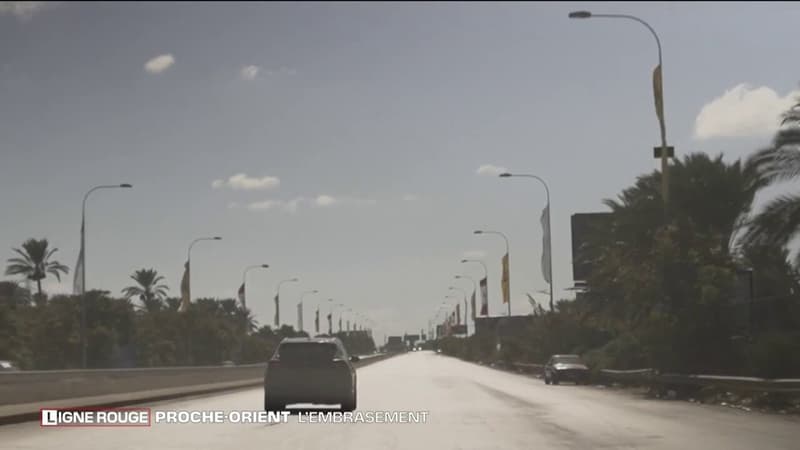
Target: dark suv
310,370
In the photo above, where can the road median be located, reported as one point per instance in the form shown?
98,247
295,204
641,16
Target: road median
23,393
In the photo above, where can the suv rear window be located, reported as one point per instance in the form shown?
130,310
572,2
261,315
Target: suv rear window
307,351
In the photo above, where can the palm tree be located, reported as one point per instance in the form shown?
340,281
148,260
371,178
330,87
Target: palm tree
713,195
246,317
34,263
779,222
149,291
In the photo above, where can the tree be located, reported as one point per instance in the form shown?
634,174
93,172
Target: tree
714,196
34,263
779,222
149,291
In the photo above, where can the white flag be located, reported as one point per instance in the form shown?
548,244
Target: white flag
77,281
242,299
546,269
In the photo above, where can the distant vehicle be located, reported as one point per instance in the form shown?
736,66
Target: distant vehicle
7,366
310,370
566,368
394,344
228,364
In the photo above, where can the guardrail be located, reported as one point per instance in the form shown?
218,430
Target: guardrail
653,378
22,393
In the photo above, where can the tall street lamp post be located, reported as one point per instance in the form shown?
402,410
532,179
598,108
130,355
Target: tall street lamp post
81,266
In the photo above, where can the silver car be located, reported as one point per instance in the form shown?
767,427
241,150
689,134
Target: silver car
566,368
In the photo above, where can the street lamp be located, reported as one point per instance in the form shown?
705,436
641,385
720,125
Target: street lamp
243,297
340,307
664,151
330,317
454,288
485,276
277,299
474,290
549,242
300,308
505,238
189,265
81,289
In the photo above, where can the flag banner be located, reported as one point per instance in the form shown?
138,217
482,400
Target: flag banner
299,317
330,323
185,288
505,281
77,283
545,220
316,321
472,304
484,297
241,296
277,312
458,314
658,96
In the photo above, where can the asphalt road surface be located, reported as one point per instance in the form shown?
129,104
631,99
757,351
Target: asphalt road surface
469,407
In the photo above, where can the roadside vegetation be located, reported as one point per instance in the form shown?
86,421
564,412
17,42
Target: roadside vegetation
674,295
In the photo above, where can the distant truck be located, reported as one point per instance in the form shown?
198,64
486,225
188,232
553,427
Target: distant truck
395,344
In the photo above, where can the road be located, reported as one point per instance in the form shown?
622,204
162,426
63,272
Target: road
469,407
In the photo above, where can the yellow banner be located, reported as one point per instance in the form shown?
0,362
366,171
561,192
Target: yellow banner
658,96
504,281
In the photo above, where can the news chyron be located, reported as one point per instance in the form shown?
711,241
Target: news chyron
145,417
94,417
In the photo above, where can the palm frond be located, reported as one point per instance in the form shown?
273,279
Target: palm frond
777,224
24,255
775,164
18,269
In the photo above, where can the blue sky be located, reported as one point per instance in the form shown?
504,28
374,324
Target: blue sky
356,132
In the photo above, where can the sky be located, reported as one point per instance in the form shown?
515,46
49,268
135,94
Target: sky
356,145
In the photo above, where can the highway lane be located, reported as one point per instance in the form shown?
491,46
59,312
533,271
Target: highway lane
469,406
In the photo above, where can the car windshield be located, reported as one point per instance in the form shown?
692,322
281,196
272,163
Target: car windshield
307,351
567,359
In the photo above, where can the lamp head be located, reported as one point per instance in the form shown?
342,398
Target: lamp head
580,15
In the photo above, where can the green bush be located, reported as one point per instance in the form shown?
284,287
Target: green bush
774,355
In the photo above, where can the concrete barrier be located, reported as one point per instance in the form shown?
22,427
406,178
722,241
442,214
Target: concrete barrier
23,393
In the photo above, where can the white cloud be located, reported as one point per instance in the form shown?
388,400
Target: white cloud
410,198
491,170
250,73
265,205
293,205
24,10
743,111
242,182
160,63
325,200
474,254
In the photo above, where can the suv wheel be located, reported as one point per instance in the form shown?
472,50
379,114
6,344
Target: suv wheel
272,405
349,405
